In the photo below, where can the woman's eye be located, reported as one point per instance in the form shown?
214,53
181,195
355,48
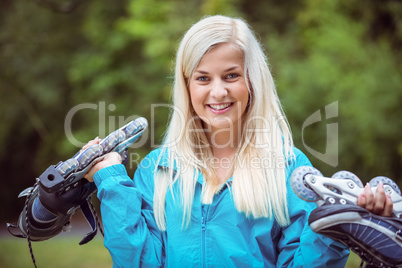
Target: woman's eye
232,76
202,78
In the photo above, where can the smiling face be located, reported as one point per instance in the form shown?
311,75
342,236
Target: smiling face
218,88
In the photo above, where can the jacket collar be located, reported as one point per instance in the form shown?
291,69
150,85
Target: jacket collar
164,164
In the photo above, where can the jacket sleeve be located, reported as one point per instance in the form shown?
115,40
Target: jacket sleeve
298,245
131,234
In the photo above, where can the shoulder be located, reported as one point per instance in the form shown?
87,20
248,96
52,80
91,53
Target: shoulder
297,159
297,207
150,159
154,159
143,177
300,159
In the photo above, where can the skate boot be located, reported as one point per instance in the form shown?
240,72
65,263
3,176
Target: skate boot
376,239
61,190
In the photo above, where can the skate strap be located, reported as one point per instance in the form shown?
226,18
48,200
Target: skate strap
14,227
90,217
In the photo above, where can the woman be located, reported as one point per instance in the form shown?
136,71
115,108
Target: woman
217,193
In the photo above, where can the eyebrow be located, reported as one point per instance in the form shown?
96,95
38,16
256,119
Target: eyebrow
227,70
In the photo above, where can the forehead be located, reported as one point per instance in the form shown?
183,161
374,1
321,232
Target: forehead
222,54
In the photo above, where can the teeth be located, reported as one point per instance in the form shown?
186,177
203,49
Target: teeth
219,106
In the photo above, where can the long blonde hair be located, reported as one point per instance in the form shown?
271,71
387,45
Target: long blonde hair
258,190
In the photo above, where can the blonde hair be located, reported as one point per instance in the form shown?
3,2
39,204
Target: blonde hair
257,191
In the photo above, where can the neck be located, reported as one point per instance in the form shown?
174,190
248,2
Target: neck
224,142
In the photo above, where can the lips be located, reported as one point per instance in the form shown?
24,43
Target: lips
221,106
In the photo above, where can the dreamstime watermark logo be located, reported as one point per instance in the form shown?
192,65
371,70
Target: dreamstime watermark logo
331,154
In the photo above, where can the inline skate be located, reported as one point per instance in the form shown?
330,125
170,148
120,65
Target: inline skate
376,239
62,189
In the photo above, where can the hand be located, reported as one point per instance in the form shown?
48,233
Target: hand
90,143
380,204
109,159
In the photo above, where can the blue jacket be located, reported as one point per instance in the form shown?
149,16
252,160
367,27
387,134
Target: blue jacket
218,235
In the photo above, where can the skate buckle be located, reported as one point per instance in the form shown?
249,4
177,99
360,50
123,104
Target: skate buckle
344,190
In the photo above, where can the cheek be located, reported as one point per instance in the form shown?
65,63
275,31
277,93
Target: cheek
244,96
195,97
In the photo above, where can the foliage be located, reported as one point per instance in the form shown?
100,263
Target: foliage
334,60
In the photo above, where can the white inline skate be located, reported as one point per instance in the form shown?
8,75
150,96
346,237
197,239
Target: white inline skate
376,239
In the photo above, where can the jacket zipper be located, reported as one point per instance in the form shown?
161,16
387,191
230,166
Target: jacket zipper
203,242
203,228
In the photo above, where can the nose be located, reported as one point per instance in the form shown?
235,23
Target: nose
218,90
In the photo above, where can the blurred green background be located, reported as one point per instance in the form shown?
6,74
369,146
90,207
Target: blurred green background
114,59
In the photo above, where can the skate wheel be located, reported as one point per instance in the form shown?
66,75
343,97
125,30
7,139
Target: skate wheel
348,175
299,186
67,167
112,140
87,156
386,181
135,126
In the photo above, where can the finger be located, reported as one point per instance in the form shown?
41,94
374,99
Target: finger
113,158
90,143
110,159
388,207
90,175
361,200
379,200
369,197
